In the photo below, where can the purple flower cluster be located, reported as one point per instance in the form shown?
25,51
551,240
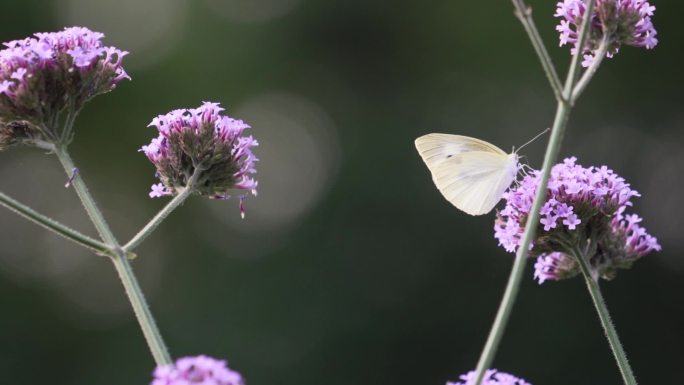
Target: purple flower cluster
205,141
619,21
41,76
554,266
196,370
491,377
584,207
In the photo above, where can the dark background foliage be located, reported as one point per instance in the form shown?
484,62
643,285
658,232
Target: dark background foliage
350,268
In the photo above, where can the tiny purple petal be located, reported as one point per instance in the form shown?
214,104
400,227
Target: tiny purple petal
4,86
19,74
158,191
549,222
572,221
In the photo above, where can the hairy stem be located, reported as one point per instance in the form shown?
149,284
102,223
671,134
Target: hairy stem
86,199
570,80
589,73
130,283
524,14
142,310
602,310
43,145
54,226
163,213
513,285
560,121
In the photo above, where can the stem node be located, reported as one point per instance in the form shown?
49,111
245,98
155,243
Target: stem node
119,257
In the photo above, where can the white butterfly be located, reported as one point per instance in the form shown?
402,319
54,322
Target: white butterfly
470,173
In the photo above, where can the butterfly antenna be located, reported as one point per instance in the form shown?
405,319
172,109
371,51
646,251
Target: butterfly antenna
535,138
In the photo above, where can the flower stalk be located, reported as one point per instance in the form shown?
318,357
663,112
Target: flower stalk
602,310
86,199
54,226
589,73
177,200
142,310
563,110
524,14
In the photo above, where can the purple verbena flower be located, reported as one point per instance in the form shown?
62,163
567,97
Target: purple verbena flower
158,190
618,21
584,209
491,377
205,141
53,72
196,370
554,266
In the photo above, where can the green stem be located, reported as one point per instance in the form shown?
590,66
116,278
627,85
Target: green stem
142,310
589,73
513,285
54,226
133,291
560,121
163,213
43,145
602,310
524,14
86,199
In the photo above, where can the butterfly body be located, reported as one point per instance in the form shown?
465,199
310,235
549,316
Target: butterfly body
470,173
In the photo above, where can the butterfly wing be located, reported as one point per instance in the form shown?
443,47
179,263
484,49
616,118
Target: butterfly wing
470,173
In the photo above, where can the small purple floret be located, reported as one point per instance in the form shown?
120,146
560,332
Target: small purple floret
554,266
158,190
197,370
491,377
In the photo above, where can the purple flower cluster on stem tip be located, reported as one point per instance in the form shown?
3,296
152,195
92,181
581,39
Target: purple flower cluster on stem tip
202,142
617,21
584,209
201,369
44,75
491,377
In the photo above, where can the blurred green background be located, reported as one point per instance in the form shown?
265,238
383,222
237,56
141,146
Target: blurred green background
350,267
